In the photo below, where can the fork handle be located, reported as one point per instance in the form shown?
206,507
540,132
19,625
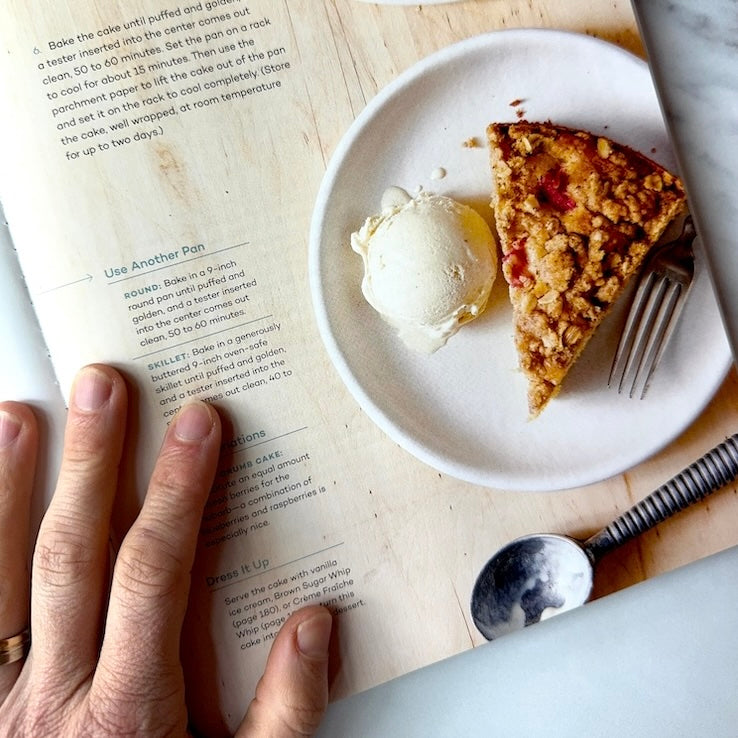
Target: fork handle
708,474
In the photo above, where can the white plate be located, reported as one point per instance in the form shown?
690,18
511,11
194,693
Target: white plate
463,409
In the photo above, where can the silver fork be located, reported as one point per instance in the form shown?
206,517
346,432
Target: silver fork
654,312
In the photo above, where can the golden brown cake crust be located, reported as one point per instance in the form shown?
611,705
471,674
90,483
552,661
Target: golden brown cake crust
575,213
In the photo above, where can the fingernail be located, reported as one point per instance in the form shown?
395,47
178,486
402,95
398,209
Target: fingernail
92,389
9,428
314,634
194,422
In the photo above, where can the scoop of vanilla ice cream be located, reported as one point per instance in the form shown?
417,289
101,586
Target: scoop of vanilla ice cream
429,266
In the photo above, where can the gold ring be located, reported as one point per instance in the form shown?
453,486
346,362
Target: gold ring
15,648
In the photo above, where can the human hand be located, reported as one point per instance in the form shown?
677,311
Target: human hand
105,656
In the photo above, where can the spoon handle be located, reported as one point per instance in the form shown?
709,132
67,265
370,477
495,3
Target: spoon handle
708,474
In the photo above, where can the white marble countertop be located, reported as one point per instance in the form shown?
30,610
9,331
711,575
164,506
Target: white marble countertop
693,54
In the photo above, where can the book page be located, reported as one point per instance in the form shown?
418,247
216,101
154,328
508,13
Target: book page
162,164
26,373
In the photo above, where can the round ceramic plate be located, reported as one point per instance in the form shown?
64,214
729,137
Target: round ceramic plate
463,409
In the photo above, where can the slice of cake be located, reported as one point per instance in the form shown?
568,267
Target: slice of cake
575,213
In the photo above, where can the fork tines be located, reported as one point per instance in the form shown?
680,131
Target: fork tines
654,312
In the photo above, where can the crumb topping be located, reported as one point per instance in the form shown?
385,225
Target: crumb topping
576,214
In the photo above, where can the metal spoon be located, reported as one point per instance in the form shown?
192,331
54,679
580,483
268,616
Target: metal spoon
540,575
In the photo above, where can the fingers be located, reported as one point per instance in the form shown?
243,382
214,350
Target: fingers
70,560
292,695
18,446
152,573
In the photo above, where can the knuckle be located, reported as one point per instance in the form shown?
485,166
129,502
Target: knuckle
85,460
84,435
148,567
62,558
27,726
110,719
105,723
38,714
123,705
174,481
114,684
176,491
87,447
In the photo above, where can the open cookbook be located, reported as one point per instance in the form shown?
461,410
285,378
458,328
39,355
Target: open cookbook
161,165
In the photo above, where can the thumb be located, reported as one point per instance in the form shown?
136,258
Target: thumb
292,695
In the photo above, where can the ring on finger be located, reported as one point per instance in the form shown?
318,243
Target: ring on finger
15,648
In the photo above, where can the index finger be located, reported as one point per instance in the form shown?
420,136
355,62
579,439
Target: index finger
152,573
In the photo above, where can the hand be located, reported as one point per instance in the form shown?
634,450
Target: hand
105,656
